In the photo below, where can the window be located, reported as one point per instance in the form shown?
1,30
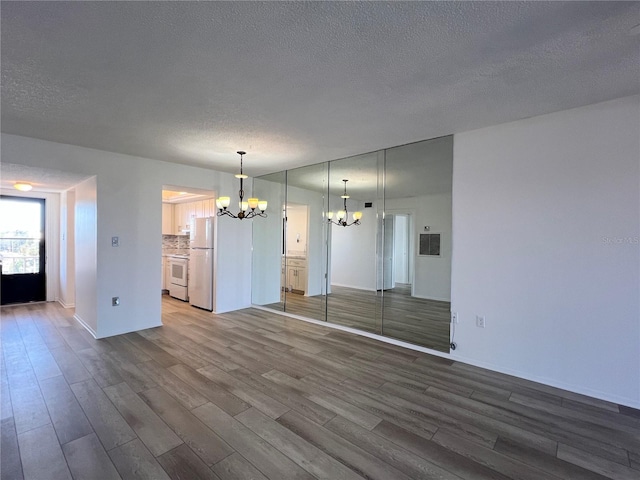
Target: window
20,235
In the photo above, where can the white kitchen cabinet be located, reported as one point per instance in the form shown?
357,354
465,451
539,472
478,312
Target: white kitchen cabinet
177,218
209,208
167,219
183,213
182,217
198,209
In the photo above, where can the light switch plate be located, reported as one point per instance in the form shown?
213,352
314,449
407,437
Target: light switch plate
115,241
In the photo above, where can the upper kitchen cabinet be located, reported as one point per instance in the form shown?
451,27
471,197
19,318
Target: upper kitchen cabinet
180,205
167,219
184,212
181,218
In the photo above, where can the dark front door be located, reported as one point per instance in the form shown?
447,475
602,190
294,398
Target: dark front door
22,250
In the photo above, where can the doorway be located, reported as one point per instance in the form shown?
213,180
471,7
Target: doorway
401,257
22,250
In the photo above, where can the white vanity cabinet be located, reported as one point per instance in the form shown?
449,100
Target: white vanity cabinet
295,273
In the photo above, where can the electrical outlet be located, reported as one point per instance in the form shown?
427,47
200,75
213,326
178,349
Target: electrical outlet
480,323
115,241
115,301
454,317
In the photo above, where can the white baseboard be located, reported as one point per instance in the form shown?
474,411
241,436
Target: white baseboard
84,324
335,326
65,305
333,284
458,358
436,299
607,397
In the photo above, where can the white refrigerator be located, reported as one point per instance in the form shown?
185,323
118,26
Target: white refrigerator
201,263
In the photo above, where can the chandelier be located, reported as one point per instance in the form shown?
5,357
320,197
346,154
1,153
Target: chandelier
343,215
248,208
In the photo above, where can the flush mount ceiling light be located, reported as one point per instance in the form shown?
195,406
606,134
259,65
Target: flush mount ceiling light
343,215
248,208
22,186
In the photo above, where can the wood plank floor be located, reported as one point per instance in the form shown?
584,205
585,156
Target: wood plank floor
251,394
396,314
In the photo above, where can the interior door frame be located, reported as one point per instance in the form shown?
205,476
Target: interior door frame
52,236
411,213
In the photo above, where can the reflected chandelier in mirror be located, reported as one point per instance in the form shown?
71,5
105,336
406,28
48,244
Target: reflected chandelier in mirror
343,215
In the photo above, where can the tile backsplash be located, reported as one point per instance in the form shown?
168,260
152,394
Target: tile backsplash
173,242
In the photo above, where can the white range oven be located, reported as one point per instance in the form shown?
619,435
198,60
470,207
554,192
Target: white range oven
178,284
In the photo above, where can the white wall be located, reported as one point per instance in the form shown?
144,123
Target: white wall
316,256
546,221
432,275
67,291
401,249
86,252
267,245
129,205
297,230
353,251
232,264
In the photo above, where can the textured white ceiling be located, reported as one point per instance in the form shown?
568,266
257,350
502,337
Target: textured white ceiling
42,179
302,82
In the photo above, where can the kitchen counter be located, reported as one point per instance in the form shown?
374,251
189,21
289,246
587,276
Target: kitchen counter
180,253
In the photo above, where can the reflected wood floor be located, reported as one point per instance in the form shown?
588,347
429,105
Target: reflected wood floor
251,394
411,319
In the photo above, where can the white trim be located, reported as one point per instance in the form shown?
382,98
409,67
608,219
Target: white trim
82,322
433,298
335,326
334,284
22,304
549,382
65,305
458,358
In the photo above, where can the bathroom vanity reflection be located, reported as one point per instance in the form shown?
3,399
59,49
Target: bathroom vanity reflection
317,260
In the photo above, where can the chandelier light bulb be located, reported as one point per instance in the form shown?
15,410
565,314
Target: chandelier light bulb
248,206
342,217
